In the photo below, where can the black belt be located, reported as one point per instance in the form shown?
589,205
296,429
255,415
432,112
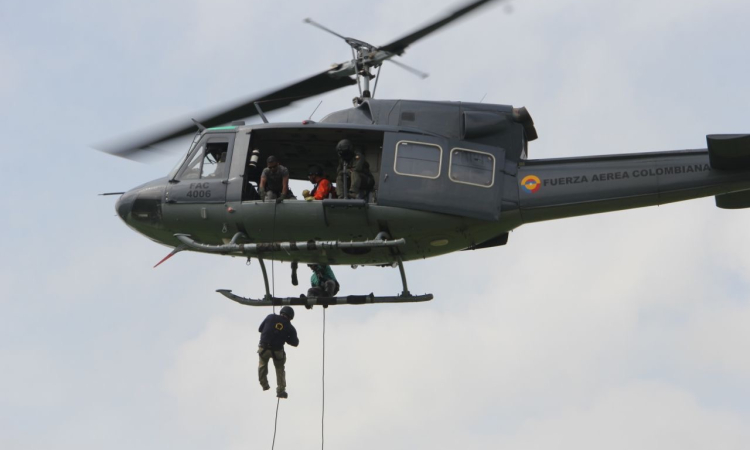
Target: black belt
265,347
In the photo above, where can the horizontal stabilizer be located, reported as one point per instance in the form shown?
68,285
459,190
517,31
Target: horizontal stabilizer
735,200
729,151
494,242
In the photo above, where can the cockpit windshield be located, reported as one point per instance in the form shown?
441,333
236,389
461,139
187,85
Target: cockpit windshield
173,172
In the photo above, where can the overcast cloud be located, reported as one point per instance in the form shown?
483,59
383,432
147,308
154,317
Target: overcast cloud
620,331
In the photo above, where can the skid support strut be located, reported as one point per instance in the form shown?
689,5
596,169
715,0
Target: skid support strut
265,278
406,292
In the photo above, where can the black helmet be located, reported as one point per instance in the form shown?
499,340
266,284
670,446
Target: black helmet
344,145
315,170
287,311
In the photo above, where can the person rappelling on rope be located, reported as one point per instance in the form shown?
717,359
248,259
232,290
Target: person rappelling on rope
275,331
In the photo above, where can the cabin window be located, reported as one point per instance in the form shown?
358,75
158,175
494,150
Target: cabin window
472,167
418,159
208,161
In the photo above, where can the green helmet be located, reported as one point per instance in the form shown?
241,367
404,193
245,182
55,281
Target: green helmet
344,145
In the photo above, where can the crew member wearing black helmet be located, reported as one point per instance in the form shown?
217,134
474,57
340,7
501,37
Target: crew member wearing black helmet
359,178
322,188
275,331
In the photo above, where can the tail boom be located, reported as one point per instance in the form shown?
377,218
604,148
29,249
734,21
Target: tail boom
559,188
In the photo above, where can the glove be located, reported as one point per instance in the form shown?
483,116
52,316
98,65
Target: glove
262,193
309,198
279,200
306,193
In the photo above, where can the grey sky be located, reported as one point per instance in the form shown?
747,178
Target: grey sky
624,330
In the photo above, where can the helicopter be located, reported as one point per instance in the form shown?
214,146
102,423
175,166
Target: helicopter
447,176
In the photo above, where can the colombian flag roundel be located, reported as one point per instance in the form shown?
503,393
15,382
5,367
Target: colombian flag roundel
531,183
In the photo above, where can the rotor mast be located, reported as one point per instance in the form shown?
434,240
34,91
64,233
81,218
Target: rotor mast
364,57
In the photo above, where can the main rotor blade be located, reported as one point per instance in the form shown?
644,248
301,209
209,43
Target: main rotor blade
317,25
139,145
397,47
410,69
133,145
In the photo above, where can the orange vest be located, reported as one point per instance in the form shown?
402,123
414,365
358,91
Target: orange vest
322,189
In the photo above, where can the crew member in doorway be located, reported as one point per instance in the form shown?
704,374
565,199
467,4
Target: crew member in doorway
275,331
274,181
359,178
322,188
323,281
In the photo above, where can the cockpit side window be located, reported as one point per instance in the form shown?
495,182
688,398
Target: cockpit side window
215,160
207,161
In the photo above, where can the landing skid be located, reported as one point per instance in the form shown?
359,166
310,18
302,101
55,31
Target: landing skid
324,301
269,300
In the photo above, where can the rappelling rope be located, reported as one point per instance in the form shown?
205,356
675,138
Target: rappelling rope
275,421
273,293
323,385
323,412
273,239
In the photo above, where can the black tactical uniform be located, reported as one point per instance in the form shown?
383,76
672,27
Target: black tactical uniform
275,331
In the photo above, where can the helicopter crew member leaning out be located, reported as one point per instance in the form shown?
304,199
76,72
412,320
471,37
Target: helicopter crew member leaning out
274,181
276,330
323,282
322,189
359,178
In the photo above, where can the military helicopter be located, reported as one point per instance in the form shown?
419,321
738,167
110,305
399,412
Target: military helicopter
447,176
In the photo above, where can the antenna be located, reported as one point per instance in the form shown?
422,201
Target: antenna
260,112
316,108
200,126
